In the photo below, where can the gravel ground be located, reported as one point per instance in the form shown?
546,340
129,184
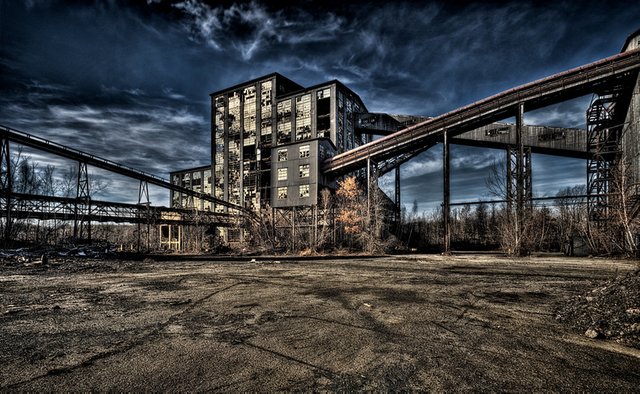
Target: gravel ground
460,323
611,310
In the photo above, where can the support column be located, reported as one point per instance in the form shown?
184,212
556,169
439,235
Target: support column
143,199
446,207
368,191
6,183
82,209
520,182
398,206
398,212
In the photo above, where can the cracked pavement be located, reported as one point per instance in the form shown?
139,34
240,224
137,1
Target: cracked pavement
428,322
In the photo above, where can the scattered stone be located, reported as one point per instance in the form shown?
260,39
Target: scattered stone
591,333
610,311
12,311
56,307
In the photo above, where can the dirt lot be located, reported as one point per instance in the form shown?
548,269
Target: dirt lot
460,323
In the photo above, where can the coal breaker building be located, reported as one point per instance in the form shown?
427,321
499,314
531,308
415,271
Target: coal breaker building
269,138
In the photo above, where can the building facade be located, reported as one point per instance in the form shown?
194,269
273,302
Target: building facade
269,138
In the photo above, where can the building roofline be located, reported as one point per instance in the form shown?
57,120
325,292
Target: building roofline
319,85
252,81
290,94
205,167
626,42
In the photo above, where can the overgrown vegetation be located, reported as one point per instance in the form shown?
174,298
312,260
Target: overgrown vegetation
354,219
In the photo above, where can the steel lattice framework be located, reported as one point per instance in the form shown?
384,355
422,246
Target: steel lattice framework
82,209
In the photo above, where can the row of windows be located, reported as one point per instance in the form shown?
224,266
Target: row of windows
303,191
303,152
284,114
303,171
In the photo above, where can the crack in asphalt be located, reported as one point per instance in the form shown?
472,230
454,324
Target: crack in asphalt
132,345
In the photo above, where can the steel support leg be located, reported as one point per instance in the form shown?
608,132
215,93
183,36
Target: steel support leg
368,191
397,198
523,182
446,207
82,220
6,183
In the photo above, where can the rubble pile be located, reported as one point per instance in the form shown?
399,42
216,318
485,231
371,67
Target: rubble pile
610,311
29,253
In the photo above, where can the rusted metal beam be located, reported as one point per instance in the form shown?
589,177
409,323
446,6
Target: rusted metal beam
617,69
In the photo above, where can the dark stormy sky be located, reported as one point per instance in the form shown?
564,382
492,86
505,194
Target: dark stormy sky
129,81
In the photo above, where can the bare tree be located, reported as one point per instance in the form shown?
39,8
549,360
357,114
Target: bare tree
510,240
324,220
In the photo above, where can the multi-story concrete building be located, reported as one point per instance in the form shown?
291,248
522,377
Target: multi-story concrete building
269,136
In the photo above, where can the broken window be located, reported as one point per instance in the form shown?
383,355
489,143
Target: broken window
207,181
323,111
350,137
175,196
234,170
303,190
282,193
282,155
266,122
282,174
303,117
304,151
233,119
207,188
304,170
283,121
340,123
219,154
249,124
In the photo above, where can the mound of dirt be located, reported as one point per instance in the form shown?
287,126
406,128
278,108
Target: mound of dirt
610,311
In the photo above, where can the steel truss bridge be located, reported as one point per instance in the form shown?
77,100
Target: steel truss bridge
612,81
82,209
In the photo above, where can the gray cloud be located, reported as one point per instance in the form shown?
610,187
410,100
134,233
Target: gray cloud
130,81
250,28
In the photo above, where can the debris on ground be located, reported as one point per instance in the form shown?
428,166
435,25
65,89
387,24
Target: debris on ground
43,253
610,311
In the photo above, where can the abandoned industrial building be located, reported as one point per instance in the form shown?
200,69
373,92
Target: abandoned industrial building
269,137
276,145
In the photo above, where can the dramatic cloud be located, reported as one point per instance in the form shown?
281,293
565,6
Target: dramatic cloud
249,28
129,81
